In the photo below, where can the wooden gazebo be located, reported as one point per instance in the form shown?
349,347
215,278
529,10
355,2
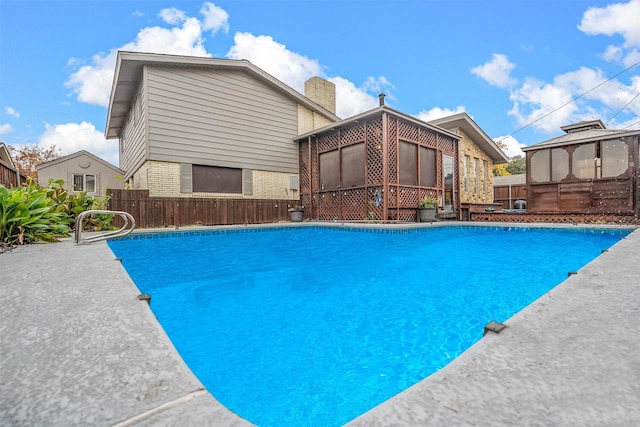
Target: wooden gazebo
376,166
588,170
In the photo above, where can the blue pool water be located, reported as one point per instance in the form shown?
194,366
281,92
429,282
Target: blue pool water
314,326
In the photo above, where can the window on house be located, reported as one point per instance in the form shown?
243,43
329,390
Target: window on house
214,179
584,165
476,169
408,163
427,167
485,181
559,164
466,173
539,163
353,165
449,184
82,182
329,170
615,158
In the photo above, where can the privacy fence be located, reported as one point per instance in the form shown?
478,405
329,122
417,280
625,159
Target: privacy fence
150,212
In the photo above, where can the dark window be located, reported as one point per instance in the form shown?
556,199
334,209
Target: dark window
408,163
353,159
78,182
329,170
213,179
427,167
84,183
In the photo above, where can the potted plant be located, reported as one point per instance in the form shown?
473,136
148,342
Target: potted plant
296,213
427,209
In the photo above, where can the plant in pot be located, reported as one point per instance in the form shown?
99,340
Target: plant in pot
427,209
296,213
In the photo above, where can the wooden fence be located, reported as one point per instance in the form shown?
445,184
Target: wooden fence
9,176
151,212
506,195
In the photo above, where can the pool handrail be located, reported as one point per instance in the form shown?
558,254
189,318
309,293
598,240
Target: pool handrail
129,225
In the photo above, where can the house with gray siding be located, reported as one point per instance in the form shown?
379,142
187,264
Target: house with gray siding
209,127
82,172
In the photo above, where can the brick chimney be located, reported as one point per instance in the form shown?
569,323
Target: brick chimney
321,92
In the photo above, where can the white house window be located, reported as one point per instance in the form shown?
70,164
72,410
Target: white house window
84,183
466,173
485,180
476,170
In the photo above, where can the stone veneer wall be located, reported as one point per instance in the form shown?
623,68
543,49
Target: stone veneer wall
469,148
162,179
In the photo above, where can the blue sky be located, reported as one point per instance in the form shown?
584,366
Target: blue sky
506,63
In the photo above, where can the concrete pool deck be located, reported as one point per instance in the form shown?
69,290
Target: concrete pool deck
77,347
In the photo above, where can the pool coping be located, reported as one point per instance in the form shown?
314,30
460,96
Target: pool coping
91,352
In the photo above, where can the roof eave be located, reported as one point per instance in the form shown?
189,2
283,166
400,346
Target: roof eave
475,132
373,112
550,144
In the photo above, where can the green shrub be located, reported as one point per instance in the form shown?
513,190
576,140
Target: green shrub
80,202
28,214
75,203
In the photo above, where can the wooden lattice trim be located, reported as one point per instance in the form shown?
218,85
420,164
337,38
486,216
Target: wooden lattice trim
555,218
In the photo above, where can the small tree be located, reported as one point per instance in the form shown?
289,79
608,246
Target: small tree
27,157
517,165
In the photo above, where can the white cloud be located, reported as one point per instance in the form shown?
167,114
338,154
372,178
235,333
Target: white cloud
172,16
617,18
512,147
274,58
215,18
632,57
547,106
92,83
5,128
12,112
72,137
437,113
294,69
350,99
612,54
496,72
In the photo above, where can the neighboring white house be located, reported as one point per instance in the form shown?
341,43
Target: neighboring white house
197,127
82,171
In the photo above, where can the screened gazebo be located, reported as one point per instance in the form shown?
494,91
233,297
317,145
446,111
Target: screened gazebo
588,170
377,166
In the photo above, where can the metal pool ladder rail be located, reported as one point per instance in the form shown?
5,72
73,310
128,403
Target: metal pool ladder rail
129,225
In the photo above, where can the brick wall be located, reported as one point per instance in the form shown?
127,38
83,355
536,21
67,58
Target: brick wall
309,120
162,179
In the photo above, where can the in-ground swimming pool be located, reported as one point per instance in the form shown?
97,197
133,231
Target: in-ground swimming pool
314,325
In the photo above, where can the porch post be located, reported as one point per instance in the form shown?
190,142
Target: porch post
385,167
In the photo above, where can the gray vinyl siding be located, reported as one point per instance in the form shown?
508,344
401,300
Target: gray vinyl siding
133,141
220,118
